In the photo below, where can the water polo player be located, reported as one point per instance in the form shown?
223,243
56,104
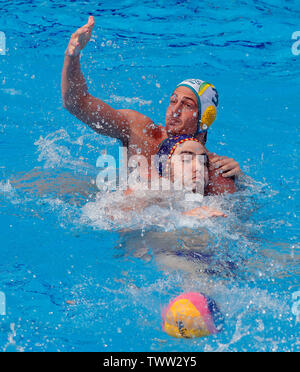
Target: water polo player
192,110
184,162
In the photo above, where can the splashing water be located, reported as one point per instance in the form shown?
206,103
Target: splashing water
77,279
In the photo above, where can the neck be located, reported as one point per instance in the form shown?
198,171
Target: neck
201,137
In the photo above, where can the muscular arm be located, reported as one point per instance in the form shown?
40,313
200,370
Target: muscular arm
92,111
76,99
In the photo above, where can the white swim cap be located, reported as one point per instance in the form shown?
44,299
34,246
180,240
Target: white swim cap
208,100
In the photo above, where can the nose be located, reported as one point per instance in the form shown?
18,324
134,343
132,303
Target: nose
176,109
198,165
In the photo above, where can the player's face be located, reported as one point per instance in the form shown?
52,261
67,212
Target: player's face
182,113
189,166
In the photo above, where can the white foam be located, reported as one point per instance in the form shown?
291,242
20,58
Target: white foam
130,100
54,150
12,92
5,187
145,210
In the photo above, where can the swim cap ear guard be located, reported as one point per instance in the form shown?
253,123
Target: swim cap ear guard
208,101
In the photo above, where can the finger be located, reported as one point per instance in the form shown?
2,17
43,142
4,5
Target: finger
84,29
73,43
91,22
77,34
217,159
83,37
216,165
211,154
215,213
214,159
226,167
230,173
219,214
204,207
227,161
213,164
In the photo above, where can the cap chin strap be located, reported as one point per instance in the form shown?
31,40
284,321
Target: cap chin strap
203,138
199,130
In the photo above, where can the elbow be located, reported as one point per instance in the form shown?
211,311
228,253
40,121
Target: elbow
70,104
64,104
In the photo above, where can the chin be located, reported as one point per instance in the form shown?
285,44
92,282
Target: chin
175,130
199,188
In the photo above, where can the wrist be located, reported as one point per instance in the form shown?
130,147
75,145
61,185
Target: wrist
73,55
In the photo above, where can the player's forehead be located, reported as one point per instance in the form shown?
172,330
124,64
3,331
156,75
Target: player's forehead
185,92
192,147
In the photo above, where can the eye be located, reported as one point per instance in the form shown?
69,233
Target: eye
187,159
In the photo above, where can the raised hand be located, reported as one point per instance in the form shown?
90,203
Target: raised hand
80,38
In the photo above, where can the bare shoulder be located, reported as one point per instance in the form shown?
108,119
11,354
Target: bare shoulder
135,117
139,122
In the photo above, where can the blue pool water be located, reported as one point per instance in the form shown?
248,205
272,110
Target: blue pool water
73,281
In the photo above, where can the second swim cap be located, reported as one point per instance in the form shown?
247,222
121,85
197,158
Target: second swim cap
208,101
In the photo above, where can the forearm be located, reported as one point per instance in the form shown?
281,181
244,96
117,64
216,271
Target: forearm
73,84
76,99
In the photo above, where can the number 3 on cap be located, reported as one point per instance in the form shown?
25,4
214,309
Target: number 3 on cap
215,99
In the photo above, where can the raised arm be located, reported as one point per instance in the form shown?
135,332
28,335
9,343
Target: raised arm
76,99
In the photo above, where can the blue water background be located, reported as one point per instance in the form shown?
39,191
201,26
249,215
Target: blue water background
139,52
